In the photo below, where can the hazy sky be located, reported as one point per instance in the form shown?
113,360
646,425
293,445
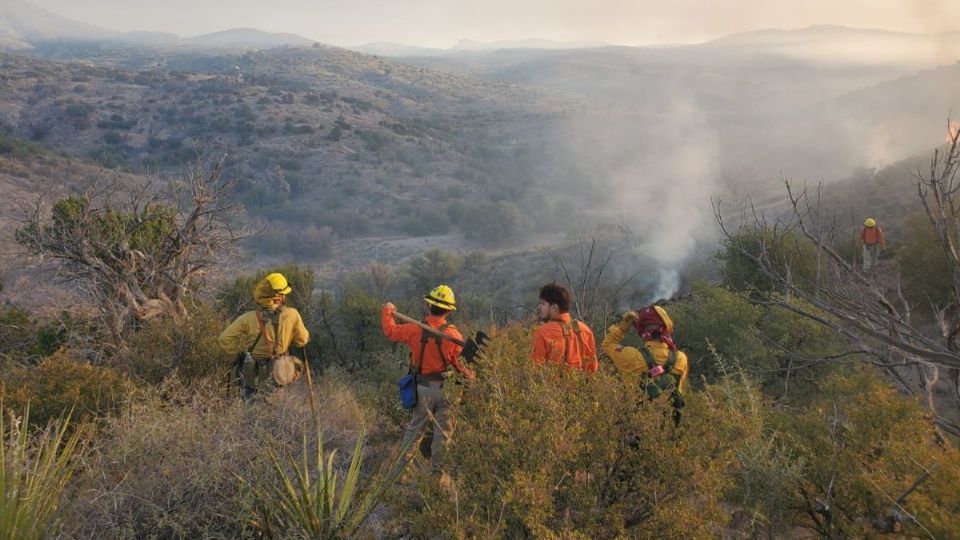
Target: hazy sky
441,23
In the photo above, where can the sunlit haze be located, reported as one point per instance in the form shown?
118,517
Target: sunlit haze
441,23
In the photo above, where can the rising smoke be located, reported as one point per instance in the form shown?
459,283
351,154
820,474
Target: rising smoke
657,175
669,192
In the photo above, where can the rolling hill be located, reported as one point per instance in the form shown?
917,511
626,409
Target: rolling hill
22,24
25,26
478,148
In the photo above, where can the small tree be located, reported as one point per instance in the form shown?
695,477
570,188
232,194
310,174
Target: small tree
142,257
592,268
792,256
432,268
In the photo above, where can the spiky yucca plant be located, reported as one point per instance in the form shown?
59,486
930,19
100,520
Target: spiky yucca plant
34,471
312,502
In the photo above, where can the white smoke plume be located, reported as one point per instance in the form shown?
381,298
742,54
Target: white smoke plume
667,193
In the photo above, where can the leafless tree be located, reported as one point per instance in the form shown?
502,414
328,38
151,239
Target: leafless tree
137,252
875,319
381,279
589,272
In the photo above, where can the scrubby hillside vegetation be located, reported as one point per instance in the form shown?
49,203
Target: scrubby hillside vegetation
330,140
795,426
145,190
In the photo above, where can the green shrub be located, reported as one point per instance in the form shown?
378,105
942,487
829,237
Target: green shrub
543,453
869,444
433,267
27,341
111,157
17,331
79,110
492,223
112,137
787,253
761,340
923,267
373,140
346,329
18,149
61,383
312,242
188,349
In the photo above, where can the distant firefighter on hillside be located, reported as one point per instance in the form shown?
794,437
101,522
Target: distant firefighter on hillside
871,238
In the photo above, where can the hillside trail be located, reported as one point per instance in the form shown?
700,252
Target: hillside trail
885,273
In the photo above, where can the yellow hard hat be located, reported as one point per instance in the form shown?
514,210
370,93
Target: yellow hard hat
270,288
870,222
667,321
442,297
279,283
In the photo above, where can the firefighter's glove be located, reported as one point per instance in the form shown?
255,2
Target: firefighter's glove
626,322
473,348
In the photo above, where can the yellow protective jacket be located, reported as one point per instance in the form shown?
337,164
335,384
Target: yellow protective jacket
242,332
630,360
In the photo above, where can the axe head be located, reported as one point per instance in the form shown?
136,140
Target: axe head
473,348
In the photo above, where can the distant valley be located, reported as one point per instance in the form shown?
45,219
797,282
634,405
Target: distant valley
495,143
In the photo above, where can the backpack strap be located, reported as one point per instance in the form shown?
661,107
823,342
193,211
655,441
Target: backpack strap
577,331
671,361
255,341
436,340
565,328
417,362
647,356
274,318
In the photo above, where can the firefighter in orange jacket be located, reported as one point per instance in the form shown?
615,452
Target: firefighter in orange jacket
659,366
430,357
871,238
560,339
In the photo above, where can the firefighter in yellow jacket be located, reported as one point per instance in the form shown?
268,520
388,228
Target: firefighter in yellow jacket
261,338
658,365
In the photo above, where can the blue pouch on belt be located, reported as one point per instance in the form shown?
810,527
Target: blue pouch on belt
408,391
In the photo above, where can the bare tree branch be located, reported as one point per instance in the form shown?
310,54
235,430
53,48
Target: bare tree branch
877,321
137,251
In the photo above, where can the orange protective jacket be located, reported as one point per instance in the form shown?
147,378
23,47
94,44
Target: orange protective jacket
410,334
550,341
872,235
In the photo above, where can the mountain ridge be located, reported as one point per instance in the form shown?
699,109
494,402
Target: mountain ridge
24,26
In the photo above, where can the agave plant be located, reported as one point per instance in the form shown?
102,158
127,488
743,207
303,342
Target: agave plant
34,471
312,502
